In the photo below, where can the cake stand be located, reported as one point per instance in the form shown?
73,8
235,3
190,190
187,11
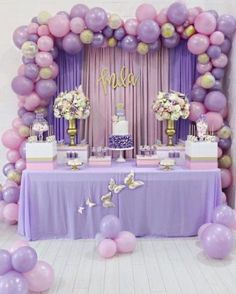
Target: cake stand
121,150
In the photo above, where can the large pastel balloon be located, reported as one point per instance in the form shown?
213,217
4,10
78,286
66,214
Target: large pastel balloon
171,42
5,262
22,85
202,229
129,43
177,13
45,43
226,178
59,25
217,241
218,73
198,94
79,10
13,156
224,215
221,61
110,226
205,23
7,167
207,81
77,25
145,11
31,71
107,248
225,161
46,88
214,120
20,36
71,44
86,37
24,259
131,26
96,19
162,17
198,44
148,31
28,118
13,283
215,101
114,21
224,133
32,102
196,110
10,212
125,242
40,278
98,40
20,165
214,51
226,24
43,17
217,38
11,139
226,46
11,195
225,144
29,49
204,68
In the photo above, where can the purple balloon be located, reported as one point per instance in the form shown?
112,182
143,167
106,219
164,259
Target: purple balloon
7,167
177,13
148,31
215,101
22,150
71,44
28,118
96,19
27,60
198,94
5,262
218,86
217,241
13,283
171,42
31,71
58,42
20,36
214,51
156,46
79,10
108,32
46,88
11,195
226,46
226,24
110,226
35,20
129,43
22,86
24,259
98,40
119,44
54,52
224,215
214,13
64,13
1,195
218,73
119,33
21,111
33,38
225,144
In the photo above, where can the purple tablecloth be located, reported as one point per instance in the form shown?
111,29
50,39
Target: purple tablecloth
170,203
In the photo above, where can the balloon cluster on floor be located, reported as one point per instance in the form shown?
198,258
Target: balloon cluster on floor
216,238
21,271
112,240
207,35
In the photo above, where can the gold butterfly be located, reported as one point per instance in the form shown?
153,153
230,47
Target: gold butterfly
131,183
107,200
113,187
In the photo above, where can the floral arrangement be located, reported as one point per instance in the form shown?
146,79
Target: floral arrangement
171,106
72,105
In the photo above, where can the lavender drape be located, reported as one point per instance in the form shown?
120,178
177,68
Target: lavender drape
69,77
182,75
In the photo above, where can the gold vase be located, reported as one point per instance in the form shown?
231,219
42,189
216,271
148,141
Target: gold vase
170,131
72,131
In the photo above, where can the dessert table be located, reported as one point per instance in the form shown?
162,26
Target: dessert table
169,203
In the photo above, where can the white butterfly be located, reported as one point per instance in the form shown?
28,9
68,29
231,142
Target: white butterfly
81,209
131,183
107,200
90,203
113,187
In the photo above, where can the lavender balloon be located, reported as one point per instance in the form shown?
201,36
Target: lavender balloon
64,13
26,60
119,33
35,20
7,167
24,259
177,13
58,42
31,71
108,32
96,19
226,46
148,31
225,144
20,36
218,73
54,52
198,94
71,44
215,101
226,24
46,88
110,226
33,38
171,42
98,40
217,241
218,86
224,215
214,51
155,46
5,262
214,13
11,195
13,283
79,10
129,43
22,86
28,118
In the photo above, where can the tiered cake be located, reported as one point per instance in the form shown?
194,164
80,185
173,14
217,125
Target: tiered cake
120,138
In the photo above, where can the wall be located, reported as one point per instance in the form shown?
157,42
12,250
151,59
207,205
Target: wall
14,13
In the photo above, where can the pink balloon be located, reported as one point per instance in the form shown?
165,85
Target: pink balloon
20,104
196,110
220,62
217,38
180,29
198,44
21,70
2,206
192,14
77,25
21,99
59,25
224,112
44,102
13,156
44,59
107,248
11,223
55,70
125,242
205,23
40,278
204,68
16,123
226,178
20,165
162,17
223,198
233,227
145,11
202,229
33,28
198,81
10,212
220,152
18,244
32,102
11,139
45,43
131,26
214,120
43,30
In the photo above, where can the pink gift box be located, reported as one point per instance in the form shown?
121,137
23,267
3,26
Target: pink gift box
41,165
201,165
99,161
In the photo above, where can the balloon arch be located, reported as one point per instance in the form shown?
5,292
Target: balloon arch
208,36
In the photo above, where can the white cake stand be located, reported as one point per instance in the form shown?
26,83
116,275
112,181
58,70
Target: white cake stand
121,150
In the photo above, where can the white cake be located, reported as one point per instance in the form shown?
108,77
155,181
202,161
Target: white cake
120,126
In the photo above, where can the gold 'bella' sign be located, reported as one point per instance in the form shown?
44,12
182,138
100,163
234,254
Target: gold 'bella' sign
123,79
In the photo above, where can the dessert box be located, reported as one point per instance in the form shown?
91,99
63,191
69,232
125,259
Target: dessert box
82,150
97,161
147,160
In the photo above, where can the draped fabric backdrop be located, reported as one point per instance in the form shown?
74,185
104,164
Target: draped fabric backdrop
168,69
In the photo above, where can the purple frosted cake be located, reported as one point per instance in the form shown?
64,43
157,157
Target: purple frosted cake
119,141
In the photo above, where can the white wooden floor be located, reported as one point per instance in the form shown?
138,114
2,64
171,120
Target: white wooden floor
158,266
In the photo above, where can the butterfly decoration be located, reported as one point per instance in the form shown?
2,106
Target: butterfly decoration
113,187
131,182
81,209
107,200
90,203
